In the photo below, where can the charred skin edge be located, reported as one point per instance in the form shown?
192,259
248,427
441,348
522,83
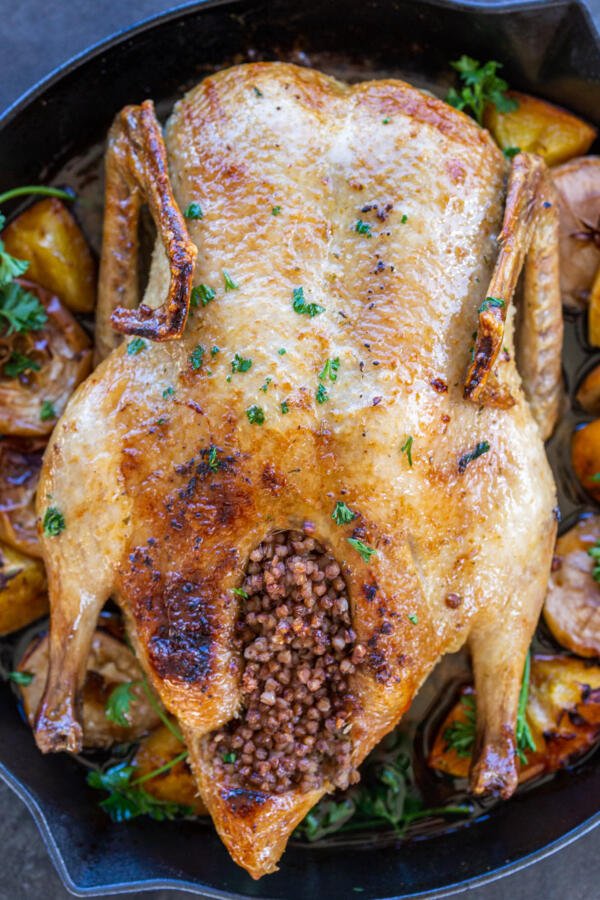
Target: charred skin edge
137,156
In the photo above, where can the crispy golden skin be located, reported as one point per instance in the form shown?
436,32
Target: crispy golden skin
148,521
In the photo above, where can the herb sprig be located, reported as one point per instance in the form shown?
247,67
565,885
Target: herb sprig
481,85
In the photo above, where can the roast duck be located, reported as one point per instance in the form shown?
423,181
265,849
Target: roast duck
317,464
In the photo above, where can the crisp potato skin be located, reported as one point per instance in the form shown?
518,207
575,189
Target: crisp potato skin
23,594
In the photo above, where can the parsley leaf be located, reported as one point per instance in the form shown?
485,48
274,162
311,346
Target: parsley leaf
460,736
594,552
47,411
193,211
413,618
119,703
53,522
240,363
126,799
18,363
168,392
240,592
362,549
256,415
10,266
509,152
321,394
213,459
136,346
468,457
303,308
202,294
407,448
276,210
285,408
229,757
481,86
491,303
330,370
342,514
21,678
230,284
264,387
20,309
363,228
196,357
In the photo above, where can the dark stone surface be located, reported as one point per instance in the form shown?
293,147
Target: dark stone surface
35,37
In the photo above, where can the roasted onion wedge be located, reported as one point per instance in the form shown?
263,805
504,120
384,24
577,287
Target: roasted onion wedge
20,463
53,359
23,597
59,257
563,715
578,186
176,785
110,664
572,607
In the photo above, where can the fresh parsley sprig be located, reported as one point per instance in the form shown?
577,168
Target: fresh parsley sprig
127,799
481,85
118,707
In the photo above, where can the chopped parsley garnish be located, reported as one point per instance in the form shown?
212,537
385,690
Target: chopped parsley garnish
193,211
509,152
230,284
168,392
477,451
47,411
18,363
282,351
276,210
284,408
229,757
491,303
407,448
202,294
196,357
20,309
404,219
127,799
594,552
523,734
214,350
240,592
21,678
365,552
300,305
342,514
386,120
119,704
136,346
595,477
240,363
481,86
256,415
330,370
413,618
258,92
213,459
266,384
53,522
321,394
363,228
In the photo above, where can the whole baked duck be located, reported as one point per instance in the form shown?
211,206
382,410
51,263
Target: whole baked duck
317,464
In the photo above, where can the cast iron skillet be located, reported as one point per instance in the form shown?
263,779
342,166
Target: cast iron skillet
550,49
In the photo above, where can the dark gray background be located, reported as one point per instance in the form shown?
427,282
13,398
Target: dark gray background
35,37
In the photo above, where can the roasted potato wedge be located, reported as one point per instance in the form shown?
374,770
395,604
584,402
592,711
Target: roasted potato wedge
594,312
585,457
177,784
588,394
23,597
111,663
578,186
59,257
537,126
563,714
572,607
60,357
20,464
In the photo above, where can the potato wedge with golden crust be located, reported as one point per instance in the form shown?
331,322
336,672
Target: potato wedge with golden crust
588,393
594,312
20,463
57,358
572,607
537,126
578,185
23,597
110,664
59,257
177,784
585,457
563,714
